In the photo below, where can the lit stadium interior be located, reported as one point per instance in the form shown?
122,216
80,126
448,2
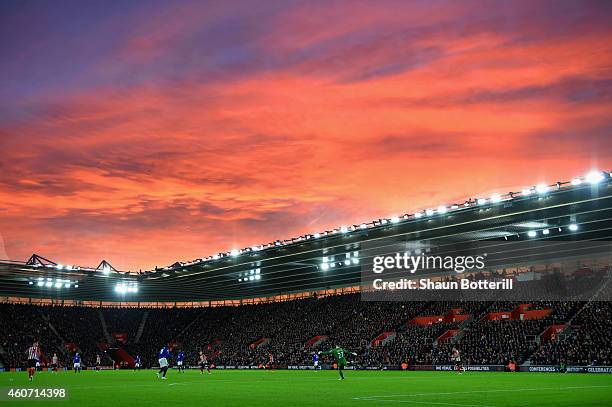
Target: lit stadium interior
306,203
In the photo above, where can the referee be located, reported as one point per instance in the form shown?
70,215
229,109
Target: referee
33,355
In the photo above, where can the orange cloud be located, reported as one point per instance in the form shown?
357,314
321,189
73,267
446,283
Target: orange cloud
216,131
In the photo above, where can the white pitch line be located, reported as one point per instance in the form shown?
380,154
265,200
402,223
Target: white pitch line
381,398
431,402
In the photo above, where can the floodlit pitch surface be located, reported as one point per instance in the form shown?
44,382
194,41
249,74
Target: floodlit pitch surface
322,388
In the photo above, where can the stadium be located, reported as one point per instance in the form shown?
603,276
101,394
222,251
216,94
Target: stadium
306,203
271,307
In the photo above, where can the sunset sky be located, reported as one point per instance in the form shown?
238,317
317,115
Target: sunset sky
146,132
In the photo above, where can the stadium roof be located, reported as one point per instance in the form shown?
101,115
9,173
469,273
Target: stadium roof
577,210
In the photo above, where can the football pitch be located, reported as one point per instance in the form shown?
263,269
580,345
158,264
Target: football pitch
321,388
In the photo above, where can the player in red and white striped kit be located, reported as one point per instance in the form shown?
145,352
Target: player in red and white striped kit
33,357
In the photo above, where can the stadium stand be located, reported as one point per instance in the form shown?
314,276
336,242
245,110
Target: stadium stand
233,335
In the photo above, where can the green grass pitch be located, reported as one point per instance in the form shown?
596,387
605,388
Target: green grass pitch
321,388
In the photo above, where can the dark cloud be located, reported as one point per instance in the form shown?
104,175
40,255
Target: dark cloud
588,140
418,143
567,90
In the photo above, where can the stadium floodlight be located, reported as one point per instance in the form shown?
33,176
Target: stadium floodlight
363,226
30,282
251,278
355,260
40,279
418,214
526,192
255,248
58,284
343,229
454,206
257,271
347,262
324,266
495,198
532,233
316,235
542,188
429,212
40,283
106,270
234,252
76,286
481,201
123,288
48,284
395,219
573,227
546,232
594,177
577,181
258,277
67,285
59,266
442,209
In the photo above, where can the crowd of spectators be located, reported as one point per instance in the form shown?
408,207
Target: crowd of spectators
20,326
276,333
587,342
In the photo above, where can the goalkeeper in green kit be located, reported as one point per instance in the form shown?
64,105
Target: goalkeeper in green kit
339,354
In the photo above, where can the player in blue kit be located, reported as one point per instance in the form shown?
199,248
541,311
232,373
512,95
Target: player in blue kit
315,361
137,363
180,358
164,355
76,363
